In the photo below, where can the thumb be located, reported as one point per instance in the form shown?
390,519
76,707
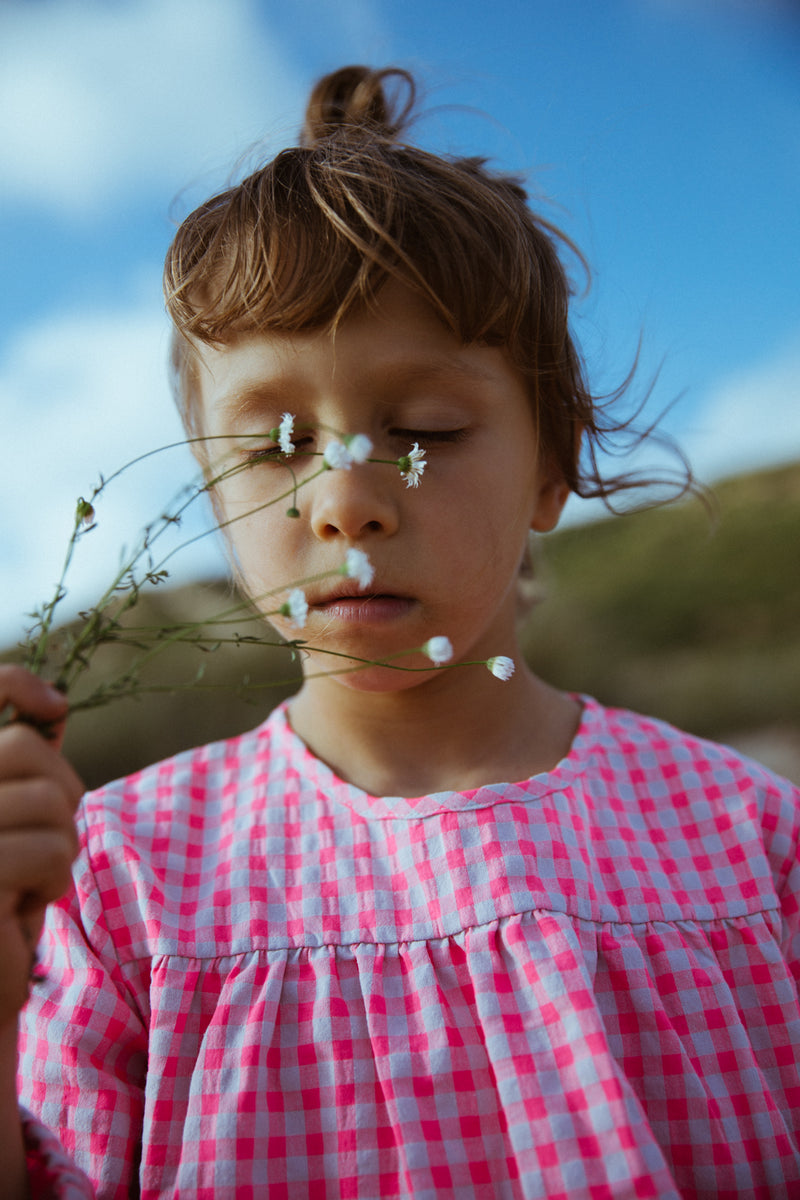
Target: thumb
33,701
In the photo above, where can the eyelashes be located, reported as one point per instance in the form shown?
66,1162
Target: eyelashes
266,454
430,437
404,438
303,447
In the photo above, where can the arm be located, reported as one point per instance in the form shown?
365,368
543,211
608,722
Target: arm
39,793
83,1048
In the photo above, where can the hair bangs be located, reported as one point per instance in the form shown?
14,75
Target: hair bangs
316,233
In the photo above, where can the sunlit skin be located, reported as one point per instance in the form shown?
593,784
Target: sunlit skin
446,555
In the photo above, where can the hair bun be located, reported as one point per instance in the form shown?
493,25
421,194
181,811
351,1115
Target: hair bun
353,102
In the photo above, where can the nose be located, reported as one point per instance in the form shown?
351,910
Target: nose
354,503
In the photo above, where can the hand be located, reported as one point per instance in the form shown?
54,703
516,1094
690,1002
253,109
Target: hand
39,793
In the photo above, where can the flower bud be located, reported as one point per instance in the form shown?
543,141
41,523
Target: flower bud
84,513
438,649
501,667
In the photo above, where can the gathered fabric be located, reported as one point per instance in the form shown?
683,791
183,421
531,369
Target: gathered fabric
268,983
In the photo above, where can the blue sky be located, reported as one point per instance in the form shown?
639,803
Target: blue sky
662,135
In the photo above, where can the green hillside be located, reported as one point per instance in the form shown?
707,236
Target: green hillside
692,618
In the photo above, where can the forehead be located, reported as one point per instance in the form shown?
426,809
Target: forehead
394,345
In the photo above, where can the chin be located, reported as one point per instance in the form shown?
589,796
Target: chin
370,679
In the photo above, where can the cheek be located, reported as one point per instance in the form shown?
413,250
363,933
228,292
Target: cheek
261,545
487,534
493,506
264,547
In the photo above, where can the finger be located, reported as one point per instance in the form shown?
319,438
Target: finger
40,803
22,917
30,695
21,923
34,702
24,754
18,941
35,866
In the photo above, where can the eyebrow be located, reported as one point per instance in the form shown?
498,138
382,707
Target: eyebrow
253,399
275,394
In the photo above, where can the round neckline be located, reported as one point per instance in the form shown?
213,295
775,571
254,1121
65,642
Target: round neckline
326,781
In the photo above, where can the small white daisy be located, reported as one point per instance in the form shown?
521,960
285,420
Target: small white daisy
501,667
357,566
285,432
296,607
438,649
412,465
337,456
360,447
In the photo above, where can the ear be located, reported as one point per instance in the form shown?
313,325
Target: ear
553,489
552,496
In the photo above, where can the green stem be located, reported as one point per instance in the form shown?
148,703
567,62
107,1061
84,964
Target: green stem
100,625
40,649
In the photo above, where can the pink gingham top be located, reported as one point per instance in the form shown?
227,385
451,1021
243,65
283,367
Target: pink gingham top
269,983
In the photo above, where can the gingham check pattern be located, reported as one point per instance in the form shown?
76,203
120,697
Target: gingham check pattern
270,984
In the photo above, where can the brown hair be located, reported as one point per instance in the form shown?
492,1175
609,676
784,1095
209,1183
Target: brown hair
315,233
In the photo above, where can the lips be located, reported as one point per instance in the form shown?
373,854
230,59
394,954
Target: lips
346,589
349,589
347,601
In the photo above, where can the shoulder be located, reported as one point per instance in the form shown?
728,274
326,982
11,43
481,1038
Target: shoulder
162,849
194,788
633,746
652,767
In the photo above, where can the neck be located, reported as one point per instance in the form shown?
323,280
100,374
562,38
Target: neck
448,734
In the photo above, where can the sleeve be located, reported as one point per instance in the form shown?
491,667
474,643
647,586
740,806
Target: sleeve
51,1173
780,822
83,1053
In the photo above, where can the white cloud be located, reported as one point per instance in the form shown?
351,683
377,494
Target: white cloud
82,394
98,97
751,419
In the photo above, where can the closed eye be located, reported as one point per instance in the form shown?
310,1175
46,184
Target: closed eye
430,437
302,448
263,454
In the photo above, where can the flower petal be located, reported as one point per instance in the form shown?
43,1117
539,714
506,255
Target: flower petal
438,649
285,432
360,447
337,456
412,466
501,667
357,566
298,607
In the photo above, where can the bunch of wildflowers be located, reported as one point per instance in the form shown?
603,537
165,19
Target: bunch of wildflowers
65,655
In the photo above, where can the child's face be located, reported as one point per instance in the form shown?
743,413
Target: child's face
446,554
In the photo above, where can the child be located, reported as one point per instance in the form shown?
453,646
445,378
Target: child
340,956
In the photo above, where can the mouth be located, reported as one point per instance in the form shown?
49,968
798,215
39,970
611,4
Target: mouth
348,602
